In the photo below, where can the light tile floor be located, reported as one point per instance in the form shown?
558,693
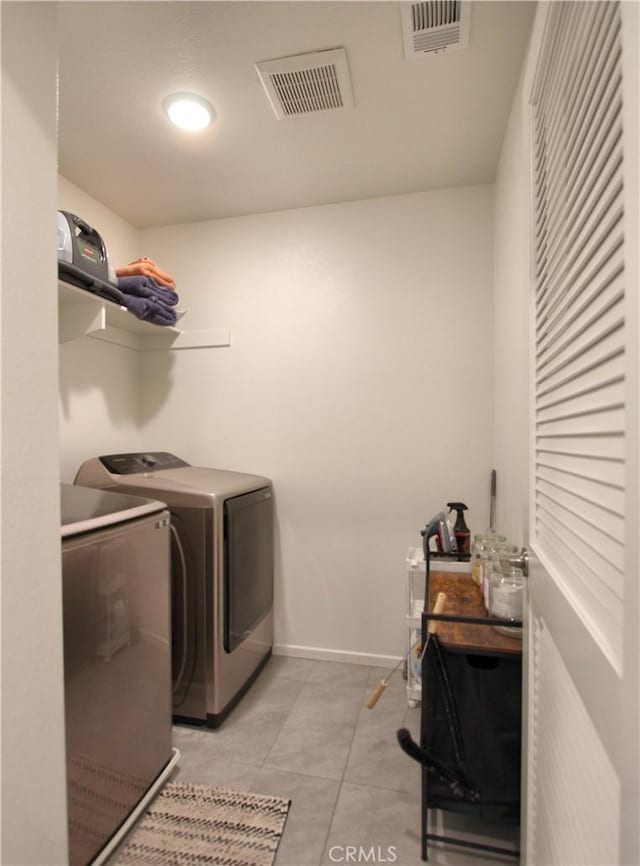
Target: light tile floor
303,731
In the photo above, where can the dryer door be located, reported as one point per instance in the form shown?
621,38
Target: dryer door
183,625
248,563
188,570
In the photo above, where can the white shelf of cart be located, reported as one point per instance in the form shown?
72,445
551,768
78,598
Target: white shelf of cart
414,695
415,604
414,682
414,617
416,573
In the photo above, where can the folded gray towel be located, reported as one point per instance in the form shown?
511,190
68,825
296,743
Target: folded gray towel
146,287
149,310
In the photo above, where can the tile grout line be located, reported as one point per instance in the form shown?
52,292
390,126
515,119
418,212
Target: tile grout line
284,721
365,689
344,772
339,788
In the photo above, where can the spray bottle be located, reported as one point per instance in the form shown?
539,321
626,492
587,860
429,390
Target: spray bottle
460,529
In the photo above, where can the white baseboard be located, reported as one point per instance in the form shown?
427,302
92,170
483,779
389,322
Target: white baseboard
354,658
332,655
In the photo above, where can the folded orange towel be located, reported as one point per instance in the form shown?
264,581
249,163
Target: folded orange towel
146,267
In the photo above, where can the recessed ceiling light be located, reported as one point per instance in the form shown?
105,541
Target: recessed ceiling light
189,112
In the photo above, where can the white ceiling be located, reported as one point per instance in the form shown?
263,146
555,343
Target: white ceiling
417,125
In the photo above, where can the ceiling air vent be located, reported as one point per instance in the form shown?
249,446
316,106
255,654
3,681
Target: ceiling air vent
307,83
435,27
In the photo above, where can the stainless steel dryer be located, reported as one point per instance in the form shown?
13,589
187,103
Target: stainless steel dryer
222,573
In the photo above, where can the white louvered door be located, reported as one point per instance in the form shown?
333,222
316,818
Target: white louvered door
582,663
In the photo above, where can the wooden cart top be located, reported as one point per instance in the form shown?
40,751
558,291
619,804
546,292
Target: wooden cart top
463,598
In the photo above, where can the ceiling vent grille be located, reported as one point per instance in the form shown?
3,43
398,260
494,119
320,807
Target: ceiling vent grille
435,27
307,83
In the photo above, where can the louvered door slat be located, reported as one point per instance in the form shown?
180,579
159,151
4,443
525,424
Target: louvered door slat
599,186
592,574
559,196
579,825
597,424
591,469
612,321
593,39
600,132
575,208
551,112
586,29
580,310
554,44
590,115
599,257
598,237
586,309
552,192
599,125
604,554
602,518
600,494
595,68
572,350
605,312
589,380
574,85
598,274
600,351
605,447
555,119
609,396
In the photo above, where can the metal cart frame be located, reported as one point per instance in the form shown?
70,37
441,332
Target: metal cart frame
428,617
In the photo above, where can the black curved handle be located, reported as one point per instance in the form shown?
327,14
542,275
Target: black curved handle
458,785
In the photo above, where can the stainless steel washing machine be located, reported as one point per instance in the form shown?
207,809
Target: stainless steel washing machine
222,573
117,664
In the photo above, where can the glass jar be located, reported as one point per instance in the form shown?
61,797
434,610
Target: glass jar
491,572
484,567
507,600
476,550
494,544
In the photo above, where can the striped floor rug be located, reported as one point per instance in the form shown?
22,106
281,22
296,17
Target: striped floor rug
195,824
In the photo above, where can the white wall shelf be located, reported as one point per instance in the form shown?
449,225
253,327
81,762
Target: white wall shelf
81,314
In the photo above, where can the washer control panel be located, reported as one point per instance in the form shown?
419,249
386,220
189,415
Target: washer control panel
137,462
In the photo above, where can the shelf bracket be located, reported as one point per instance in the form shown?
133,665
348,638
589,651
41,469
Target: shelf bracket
80,320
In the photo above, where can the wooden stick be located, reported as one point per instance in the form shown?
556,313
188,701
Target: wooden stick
437,608
375,695
377,692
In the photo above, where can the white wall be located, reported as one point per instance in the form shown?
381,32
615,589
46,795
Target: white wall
99,382
33,794
511,323
359,379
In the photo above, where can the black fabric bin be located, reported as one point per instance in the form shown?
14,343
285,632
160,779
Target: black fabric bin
486,692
